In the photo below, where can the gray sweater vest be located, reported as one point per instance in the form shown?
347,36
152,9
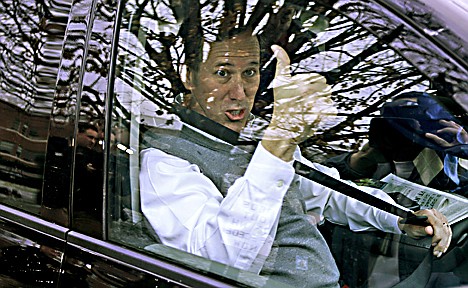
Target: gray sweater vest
299,256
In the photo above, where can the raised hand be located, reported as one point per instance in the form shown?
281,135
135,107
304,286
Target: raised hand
455,132
302,102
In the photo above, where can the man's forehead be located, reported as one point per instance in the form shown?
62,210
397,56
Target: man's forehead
240,46
91,132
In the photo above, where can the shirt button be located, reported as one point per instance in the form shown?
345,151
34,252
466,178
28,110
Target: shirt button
280,183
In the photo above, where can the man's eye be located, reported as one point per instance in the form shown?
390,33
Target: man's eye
250,73
222,73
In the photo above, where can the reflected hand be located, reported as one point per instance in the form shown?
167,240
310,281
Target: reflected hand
438,228
301,102
456,131
52,253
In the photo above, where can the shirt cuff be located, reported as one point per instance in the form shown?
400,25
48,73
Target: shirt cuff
267,171
391,223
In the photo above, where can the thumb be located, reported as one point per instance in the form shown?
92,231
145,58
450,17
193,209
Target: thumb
283,62
429,230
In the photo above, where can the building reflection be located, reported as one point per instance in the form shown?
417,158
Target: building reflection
23,141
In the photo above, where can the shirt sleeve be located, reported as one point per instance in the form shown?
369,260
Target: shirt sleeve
188,212
338,208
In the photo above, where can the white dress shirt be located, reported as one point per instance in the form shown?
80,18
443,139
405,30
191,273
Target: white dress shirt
188,212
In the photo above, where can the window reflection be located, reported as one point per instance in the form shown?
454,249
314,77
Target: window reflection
366,55
31,35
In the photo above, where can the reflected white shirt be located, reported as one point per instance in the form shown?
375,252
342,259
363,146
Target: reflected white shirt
188,212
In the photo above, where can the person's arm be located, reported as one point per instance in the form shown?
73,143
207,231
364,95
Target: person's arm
341,163
188,212
343,210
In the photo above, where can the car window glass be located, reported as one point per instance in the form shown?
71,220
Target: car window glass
88,189
365,53
31,36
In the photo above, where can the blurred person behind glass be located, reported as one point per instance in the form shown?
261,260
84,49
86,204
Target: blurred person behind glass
417,139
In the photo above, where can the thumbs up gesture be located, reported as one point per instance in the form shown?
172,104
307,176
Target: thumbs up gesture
301,102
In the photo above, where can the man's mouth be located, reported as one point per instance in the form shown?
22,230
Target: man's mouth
235,115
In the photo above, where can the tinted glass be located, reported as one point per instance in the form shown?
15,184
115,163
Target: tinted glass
366,53
31,35
88,190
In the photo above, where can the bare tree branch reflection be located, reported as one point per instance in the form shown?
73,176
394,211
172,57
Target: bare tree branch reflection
357,59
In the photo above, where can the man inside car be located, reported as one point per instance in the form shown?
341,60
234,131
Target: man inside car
218,201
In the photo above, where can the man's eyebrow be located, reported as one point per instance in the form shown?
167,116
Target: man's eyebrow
219,64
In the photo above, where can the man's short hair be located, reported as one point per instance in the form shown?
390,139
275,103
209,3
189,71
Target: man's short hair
195,57
83,126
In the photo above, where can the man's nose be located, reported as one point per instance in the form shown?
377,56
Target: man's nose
237,91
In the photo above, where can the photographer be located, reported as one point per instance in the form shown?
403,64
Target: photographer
416,139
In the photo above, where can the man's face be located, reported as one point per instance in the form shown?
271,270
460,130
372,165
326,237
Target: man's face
223,89
87,138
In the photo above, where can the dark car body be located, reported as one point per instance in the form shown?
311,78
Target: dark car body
71,217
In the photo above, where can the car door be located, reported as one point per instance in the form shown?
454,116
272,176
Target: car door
369,51
81,114
118,69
